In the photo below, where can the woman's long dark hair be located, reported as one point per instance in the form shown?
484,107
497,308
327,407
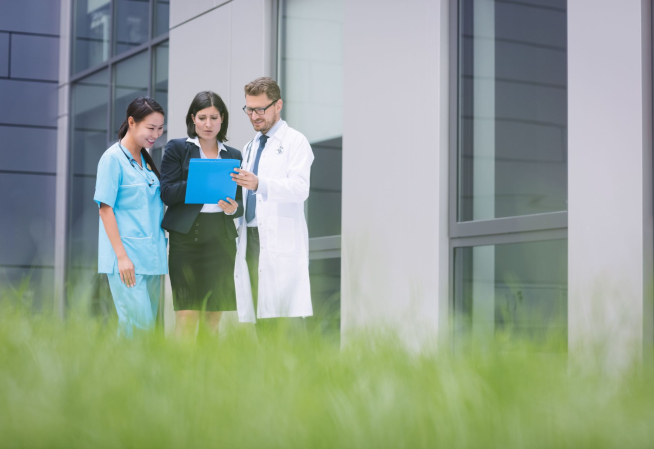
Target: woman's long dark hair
139,109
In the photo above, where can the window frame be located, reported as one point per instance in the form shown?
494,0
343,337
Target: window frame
497,231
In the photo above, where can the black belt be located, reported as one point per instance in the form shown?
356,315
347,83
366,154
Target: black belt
254,231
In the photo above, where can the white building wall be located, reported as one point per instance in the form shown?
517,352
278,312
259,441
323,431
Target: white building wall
609,174
394,242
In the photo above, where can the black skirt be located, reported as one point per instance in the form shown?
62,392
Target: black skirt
201,266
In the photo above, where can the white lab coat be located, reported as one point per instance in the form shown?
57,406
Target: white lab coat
284,172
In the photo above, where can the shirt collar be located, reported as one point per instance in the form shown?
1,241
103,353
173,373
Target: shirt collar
271,132
196,142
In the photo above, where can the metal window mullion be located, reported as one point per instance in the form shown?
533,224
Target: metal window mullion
119,58
453,114
151,22
112,28
110,105
150,52
507,238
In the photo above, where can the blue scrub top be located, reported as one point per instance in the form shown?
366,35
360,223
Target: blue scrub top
138,209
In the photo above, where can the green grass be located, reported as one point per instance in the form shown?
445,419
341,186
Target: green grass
75,384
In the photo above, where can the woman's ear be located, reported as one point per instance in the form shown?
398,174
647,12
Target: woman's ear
131,122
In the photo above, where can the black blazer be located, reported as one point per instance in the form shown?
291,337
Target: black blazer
174,172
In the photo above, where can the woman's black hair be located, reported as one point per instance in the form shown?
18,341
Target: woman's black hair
139,109
203,100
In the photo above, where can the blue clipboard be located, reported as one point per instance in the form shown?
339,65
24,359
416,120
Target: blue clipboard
209,180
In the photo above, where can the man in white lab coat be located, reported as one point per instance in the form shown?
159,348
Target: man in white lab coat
272,261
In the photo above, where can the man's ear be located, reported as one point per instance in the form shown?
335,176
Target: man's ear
279,105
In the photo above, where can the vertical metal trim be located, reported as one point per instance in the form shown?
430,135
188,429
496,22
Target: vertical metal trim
63,198
9,57
281,43
453,161
150,52
275,41
110,105
648,194
454,114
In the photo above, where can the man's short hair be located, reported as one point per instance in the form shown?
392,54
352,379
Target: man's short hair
264,85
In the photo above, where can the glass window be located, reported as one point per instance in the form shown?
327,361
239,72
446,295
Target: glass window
161,17
519,288
312,89
90,104
326,294
132,24
131,80
92,33
512,155
160,93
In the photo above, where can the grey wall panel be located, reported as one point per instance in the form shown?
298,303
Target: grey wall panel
30,16
32,103
185,80
35,57
33,150
181,11
4,54
395,125
236,59
27,221
609,171
249,60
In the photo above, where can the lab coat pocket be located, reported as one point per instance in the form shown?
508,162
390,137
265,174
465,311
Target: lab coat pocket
283,240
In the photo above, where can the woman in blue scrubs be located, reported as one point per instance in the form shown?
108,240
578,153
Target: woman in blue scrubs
132,245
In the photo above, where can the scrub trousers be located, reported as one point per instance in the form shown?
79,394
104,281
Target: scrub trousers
136,306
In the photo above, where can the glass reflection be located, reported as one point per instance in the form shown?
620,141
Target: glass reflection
326,295
520,288
513,108
132,24
89,141
160,93
312,89
130,81
92,28
161,17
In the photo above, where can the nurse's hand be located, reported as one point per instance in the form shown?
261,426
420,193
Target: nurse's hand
228,208
126,269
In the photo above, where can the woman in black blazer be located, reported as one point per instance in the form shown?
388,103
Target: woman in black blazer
202,236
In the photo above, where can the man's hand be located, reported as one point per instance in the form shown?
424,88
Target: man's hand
246,179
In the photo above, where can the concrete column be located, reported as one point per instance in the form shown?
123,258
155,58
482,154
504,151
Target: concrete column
610,177
395,164
63,169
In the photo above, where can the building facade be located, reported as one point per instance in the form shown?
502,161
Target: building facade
481,165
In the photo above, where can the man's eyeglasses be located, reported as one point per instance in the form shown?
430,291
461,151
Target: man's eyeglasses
258,111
